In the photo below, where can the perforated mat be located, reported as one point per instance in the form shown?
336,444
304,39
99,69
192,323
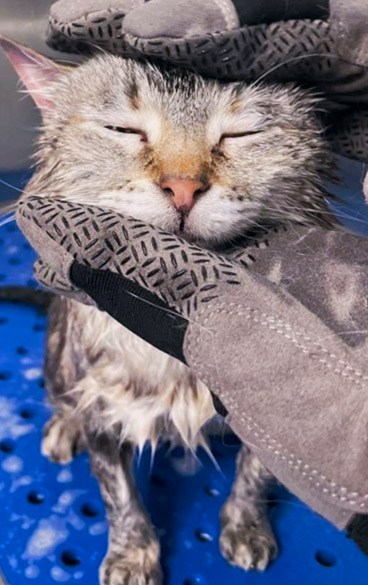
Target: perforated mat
52,522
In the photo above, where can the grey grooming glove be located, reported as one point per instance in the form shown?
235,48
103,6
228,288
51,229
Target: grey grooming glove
182,18
99,20
278,331
322,44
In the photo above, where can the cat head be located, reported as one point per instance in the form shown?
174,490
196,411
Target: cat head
197,157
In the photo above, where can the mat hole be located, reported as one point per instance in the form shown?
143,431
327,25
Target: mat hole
3,320
2,277
14,261
90,510
36,498
203,535
11,228
70,558
7,446
195,580
325,558
213,492
39,327
21,350
5,375
157,480
27,412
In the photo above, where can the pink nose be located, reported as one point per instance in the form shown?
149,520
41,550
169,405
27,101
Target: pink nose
183,191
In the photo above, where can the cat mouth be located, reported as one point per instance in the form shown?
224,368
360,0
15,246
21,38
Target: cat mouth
182,218
188,237
181,228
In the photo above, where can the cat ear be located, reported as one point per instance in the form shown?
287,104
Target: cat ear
35,71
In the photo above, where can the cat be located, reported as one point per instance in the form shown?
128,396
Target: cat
204,159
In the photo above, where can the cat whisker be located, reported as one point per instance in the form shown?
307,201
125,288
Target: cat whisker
13,204
169,311
6,221
66,62
96,47
302,209
333,214
292,60
353,217
10,186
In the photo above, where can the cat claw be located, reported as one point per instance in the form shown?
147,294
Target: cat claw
62,438
248,547
116,571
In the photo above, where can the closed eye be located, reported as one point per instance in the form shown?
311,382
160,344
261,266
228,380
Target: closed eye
239,134
124,130
217,149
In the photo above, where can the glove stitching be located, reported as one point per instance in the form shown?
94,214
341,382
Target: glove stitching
271,323
334,488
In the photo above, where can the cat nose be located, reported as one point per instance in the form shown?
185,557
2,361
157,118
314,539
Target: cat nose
183,191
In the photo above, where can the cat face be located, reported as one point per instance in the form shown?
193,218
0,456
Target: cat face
196,157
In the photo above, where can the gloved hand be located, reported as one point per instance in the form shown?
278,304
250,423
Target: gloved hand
322,44
278,332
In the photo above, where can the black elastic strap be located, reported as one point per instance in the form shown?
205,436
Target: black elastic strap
357,530
252,12
139,310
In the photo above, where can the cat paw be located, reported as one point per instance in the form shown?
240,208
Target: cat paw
62,438
122,571
248,547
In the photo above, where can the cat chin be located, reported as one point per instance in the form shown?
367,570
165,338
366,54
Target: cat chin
188,237
217,240
194,238
202,241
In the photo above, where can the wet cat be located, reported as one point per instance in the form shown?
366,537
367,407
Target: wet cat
197,157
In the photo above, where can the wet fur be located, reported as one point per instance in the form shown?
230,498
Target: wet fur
112,391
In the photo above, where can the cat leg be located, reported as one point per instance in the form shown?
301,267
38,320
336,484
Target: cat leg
133,553
246,537
63,437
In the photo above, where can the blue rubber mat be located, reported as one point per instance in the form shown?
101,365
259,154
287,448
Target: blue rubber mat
52,522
